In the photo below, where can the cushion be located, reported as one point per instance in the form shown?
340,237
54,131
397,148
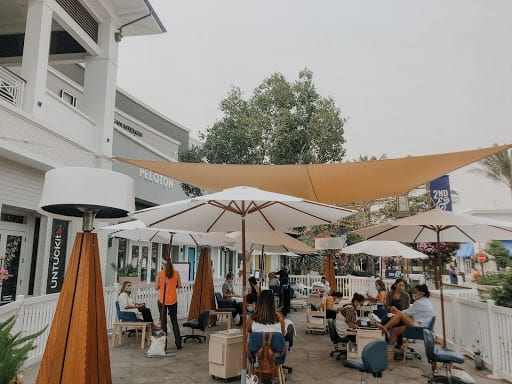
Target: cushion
356,364
445,355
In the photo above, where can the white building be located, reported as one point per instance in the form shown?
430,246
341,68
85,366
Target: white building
58,64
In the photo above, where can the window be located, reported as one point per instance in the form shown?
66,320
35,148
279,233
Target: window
68,97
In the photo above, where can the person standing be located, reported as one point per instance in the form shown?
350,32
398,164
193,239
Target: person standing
284,294
167,283
453,272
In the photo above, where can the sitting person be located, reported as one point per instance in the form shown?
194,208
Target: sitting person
346,318
380,287
330,304
229,293
419,314
326,284
254,287
126,304
398,297
265,317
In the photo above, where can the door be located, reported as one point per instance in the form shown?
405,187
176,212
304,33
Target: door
11,243
139,259
192,262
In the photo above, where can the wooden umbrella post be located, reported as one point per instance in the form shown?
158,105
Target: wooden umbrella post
77,347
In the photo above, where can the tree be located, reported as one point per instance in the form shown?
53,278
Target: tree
282,123
192,155
497,168
500,252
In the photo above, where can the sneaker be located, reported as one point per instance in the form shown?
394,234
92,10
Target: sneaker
179,346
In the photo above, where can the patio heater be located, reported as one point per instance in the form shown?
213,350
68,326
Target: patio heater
77,346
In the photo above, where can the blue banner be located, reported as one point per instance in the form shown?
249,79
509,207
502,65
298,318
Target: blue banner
440,194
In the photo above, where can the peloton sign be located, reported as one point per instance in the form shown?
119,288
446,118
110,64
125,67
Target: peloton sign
156,178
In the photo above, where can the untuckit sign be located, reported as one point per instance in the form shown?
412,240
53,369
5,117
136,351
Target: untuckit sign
57,263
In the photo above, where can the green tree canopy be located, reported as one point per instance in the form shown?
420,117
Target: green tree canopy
498,168
500,252
281,123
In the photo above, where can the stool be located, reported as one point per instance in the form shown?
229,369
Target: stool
223,312
117,331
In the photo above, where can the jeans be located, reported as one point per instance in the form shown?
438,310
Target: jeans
173,314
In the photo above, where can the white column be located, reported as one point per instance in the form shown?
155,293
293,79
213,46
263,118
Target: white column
100,91
34,65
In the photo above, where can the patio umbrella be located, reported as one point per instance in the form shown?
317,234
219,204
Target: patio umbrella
436,226
325,242
136,230
203,294
245,209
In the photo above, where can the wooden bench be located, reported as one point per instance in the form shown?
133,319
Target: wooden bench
117,331
223,312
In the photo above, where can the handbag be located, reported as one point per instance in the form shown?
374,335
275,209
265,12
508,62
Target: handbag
158,343
251,379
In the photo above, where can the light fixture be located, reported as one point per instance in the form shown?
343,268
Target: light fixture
118,36
78,336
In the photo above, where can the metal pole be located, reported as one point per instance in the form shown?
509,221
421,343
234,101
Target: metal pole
439,265
243,374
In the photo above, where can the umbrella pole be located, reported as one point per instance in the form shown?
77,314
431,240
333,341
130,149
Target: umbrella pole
439,266
243,374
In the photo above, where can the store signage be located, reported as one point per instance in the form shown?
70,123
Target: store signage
440,193
133,131
156,178
57,263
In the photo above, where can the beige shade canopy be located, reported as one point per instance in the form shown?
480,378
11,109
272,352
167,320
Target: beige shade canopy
326,183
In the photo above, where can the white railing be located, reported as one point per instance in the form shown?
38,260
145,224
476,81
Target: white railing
470,324
473,325
11,87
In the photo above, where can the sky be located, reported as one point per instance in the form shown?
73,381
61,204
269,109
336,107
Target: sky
412,77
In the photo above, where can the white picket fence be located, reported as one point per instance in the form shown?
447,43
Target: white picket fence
470,324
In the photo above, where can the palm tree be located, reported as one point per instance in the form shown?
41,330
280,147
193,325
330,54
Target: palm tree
498,167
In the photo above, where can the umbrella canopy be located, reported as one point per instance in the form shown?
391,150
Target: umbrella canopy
324,242
269,241
245,209
203,294
136,230
384,248
438,226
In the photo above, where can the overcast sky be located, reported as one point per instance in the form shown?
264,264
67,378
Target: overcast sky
413,77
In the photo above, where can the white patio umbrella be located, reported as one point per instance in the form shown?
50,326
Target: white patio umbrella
438,226
269,241
136,230
384,248
241,208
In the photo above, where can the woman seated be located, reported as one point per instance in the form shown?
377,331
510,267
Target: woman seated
347,318
330,304
126,304
419,314
397,297
380,287
265,317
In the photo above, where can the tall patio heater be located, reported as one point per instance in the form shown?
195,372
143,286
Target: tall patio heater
77,347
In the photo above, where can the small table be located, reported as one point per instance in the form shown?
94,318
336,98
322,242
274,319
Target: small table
226,312
117,330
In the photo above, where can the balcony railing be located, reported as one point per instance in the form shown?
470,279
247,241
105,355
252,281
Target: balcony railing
11,87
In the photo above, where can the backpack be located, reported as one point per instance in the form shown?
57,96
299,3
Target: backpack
264,366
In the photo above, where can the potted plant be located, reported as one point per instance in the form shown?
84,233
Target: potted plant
14,350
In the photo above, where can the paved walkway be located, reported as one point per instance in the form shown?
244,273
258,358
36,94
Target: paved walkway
309,358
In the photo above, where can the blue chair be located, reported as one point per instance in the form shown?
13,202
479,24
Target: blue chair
279,348
374,360
125,315
445,356
200,323
414,333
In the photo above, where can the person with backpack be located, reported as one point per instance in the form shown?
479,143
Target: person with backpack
265,317
167,283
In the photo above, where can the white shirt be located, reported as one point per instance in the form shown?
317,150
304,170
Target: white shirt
124,301
421,310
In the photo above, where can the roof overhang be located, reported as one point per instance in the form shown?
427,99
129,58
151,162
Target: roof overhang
130,10
327,183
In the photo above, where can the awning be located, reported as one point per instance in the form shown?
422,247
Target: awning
465,250
327,183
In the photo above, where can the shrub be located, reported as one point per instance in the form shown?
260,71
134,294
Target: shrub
493,278
503,295
14,349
